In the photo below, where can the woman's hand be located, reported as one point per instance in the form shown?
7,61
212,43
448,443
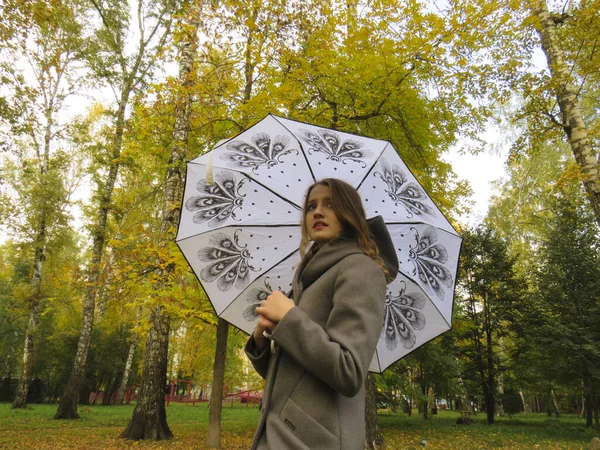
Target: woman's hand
275,307
263,324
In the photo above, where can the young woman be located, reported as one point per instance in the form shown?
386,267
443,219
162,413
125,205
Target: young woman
314,349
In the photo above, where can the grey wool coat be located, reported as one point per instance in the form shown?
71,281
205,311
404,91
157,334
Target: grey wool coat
314,396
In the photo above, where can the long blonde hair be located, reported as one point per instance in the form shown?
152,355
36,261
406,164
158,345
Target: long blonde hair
349,210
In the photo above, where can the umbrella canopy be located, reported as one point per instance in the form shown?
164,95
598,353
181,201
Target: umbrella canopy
240,232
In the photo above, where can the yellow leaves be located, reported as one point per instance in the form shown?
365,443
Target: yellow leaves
96,112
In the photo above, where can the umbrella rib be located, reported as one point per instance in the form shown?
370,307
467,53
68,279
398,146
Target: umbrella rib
254,180
437,227
372,166
417,180
283,225
301,147
263,274
430,297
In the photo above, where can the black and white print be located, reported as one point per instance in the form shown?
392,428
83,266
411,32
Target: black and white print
334,148
429,258
403,192
228,262
254,297
402,317
217,201
262,151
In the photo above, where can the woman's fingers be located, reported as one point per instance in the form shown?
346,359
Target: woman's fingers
275,306
263,322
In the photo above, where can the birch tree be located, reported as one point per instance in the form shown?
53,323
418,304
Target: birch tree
111,63
149,420
566,88
46,42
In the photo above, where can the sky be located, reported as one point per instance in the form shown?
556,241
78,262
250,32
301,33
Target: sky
481,171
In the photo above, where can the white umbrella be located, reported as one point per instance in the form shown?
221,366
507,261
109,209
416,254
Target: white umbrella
240,233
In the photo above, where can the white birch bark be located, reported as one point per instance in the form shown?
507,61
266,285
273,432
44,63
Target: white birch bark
149,420
20,400
67,408
525,404
566,92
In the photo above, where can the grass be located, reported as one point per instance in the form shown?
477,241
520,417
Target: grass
100,426
531,431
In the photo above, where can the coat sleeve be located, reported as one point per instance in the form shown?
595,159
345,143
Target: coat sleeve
340,353
260,360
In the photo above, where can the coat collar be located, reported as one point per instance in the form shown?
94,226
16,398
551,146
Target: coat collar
326,257
338,248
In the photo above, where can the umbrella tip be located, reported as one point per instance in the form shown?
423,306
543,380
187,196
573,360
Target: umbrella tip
209,170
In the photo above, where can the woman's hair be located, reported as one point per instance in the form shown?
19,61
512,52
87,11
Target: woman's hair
349,210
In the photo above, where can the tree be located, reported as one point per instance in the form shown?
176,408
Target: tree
498,45
149,417
567,309
213,438
49,46
565,87
14,278
110,62
491,291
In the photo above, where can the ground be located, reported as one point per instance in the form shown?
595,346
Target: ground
100,426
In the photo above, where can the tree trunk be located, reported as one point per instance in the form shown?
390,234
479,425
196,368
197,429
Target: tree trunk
126,372
500,394
128,364
68,405
20,400
525,404
373,437
67,408
490,397
596,415
589,413
102,295
572,117
149,420
424,397
554,403
9,361
213,439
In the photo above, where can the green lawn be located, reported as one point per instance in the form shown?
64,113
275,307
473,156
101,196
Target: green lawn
100,426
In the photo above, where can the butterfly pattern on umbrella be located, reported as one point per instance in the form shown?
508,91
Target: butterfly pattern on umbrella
401,318
404,192
229,262
329,143
429,258
262,151
217,201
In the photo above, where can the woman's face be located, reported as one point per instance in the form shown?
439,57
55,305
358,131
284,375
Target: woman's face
321,222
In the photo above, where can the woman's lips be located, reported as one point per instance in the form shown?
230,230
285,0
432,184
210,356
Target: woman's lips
319,225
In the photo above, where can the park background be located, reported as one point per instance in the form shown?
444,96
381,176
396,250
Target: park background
101,104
